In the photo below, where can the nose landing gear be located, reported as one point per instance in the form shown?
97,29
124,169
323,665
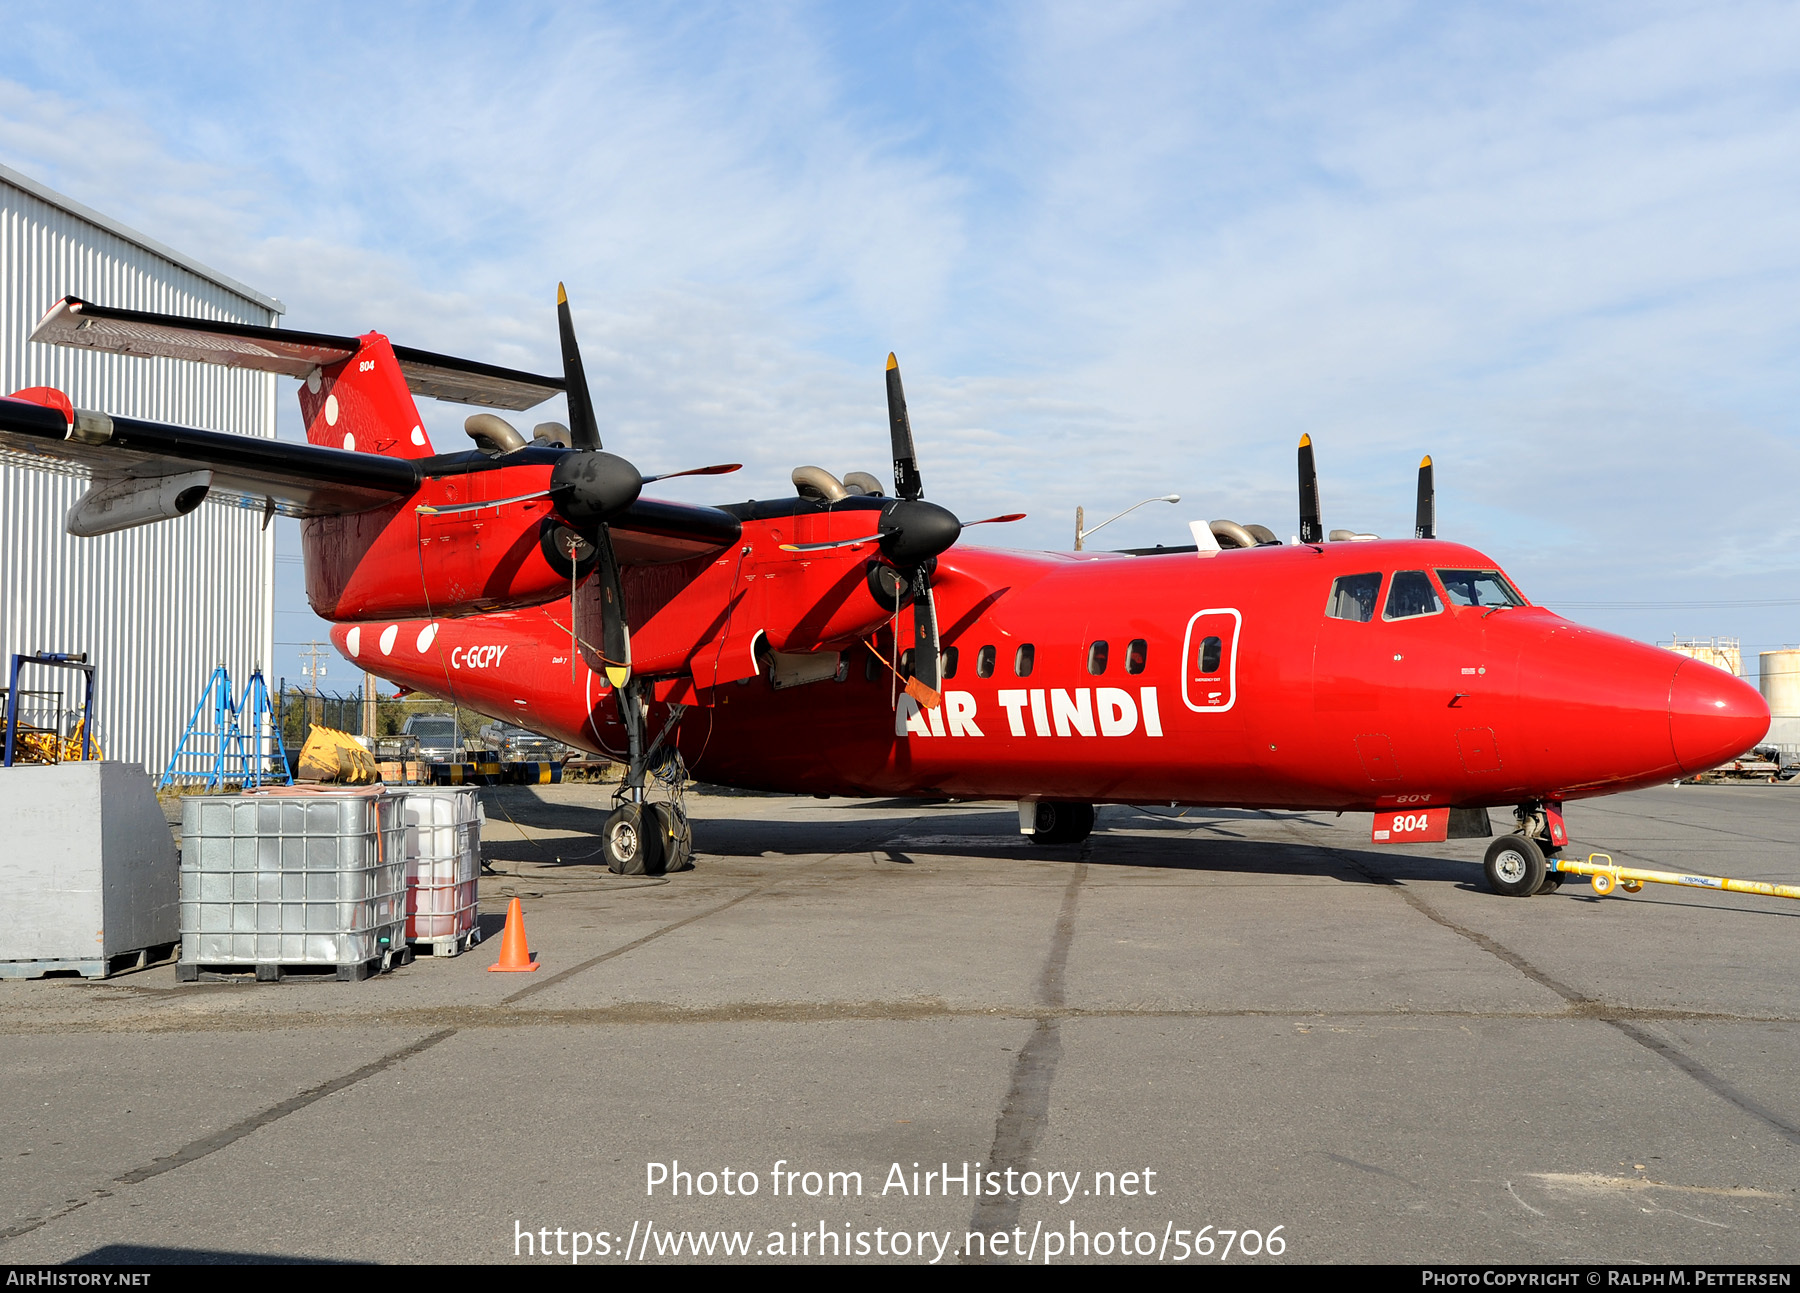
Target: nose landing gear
1522,864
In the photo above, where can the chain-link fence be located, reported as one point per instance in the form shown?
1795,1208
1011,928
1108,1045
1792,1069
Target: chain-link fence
298,711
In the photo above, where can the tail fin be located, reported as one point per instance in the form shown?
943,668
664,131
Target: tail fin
362,403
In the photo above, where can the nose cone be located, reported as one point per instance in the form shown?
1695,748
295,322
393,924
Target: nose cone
1713,716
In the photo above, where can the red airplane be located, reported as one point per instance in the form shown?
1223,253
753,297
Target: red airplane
841,642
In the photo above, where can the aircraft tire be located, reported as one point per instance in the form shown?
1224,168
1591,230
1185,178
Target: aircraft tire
677,838
633,846
1553,880
1059,822
1514,866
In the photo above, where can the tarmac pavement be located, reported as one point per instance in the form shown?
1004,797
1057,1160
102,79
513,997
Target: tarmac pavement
1256,1022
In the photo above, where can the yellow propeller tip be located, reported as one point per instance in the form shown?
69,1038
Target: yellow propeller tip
892,362
1305,441
1425,461
562,295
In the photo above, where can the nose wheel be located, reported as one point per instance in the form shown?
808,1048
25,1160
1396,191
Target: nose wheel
1514,866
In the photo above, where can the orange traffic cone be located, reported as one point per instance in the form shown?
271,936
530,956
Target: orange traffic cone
514,952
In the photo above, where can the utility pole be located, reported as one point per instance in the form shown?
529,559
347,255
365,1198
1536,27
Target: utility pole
369,710
314,671
1079,536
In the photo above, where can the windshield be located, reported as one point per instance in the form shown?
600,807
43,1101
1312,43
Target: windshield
442,731
1478,588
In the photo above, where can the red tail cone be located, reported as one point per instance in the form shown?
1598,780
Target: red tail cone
515,954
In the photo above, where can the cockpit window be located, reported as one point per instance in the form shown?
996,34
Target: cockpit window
1353,598
1478,588
1411,594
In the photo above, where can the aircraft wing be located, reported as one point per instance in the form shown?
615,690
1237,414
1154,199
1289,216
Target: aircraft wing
293,479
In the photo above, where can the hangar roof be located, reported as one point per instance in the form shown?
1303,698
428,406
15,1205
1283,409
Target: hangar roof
46,194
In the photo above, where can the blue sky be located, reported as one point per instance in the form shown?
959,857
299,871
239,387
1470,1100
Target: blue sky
1121,250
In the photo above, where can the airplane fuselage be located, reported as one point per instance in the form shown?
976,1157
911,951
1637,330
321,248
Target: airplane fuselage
1220,680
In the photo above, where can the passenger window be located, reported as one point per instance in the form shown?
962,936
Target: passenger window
1023,659
1411,594
984,662
1097,659
1135,655
871,667
949,662
1210,651
1353,598
906,663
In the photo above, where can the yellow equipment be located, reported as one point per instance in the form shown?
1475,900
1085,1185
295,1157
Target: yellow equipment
330,755
1604,874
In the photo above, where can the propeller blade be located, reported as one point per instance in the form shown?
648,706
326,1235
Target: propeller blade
722,469
1425,519
1312,529
450,509
584,432
615,633
907,484
996,520
927,660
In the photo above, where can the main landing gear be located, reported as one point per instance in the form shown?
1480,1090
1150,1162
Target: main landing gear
1056,821
641,837
1520,864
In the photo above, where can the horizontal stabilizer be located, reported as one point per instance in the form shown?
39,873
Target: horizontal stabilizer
74,322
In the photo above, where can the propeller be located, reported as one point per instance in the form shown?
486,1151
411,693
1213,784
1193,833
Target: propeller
911,534
1425,519
1312,529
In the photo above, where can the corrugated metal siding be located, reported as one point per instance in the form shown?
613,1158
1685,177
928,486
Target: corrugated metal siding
154,607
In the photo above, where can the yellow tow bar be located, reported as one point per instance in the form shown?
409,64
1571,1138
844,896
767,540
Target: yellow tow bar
1604,874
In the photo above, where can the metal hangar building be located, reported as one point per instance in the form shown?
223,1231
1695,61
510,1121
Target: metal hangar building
157,607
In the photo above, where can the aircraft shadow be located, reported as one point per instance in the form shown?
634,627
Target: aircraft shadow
145,1255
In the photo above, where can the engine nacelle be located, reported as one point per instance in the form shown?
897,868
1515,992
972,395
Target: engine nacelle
401,562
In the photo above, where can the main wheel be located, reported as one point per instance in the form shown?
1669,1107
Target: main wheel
1062,823
633,845
677,838
1514,865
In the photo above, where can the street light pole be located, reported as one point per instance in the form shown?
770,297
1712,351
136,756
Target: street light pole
1081,534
